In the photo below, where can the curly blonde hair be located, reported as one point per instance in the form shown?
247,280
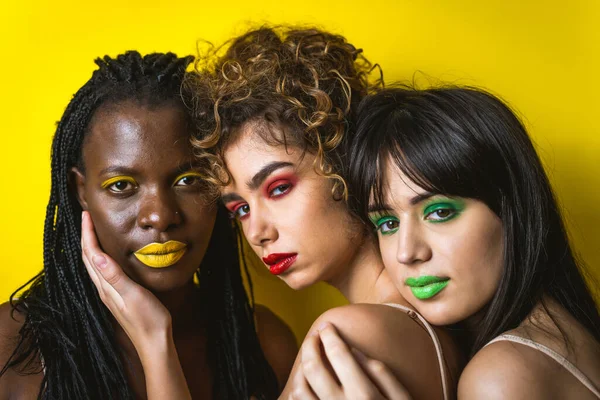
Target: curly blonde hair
302,84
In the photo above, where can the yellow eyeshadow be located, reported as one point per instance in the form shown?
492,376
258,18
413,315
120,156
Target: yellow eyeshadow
185,175
115,179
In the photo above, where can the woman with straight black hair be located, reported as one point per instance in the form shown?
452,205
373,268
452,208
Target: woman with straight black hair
471,233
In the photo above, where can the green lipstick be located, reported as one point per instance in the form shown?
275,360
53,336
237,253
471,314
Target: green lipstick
425,287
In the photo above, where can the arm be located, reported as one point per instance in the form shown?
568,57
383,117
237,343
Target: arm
392,338
143,317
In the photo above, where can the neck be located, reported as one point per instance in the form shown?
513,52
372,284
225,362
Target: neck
182,305
364,279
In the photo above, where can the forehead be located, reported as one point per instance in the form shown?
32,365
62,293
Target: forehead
131,133
397,187
251,151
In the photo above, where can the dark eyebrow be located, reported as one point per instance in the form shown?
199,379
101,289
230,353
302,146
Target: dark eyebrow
386,207
264,172
229,197
378,208
119,169
421,197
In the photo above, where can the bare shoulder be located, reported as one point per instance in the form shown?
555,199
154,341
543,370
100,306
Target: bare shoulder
507,370
393,337
371,323
10,324
277,341
380,328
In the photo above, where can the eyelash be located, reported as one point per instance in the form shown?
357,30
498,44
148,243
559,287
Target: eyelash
234,213
384,220
287,186
429,210
278,184
109,183
436,207
195,175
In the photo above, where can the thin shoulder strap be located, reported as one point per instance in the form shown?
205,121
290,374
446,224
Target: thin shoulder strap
436,342
552,354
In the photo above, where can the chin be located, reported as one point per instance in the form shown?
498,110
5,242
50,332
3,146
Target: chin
439,319
161,280
163,285
298,280
439,314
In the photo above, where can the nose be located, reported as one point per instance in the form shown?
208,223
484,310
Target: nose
159,211
412,245
260,230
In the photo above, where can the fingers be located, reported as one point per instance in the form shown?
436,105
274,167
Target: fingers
108,277
301,389
319,377
382,376
352,378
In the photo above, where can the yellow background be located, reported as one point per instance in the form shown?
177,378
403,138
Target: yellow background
542,56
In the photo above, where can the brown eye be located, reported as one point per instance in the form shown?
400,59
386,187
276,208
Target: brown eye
280,190
389,225
188,180
443,213
241,212
120,186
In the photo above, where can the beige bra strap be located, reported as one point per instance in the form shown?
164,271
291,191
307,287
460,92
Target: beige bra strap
438,347
554,355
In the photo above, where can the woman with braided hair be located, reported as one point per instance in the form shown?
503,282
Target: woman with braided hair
121,154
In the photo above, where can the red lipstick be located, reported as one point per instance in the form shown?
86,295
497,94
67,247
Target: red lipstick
279,262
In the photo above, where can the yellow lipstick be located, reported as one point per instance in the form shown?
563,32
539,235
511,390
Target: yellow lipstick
161,255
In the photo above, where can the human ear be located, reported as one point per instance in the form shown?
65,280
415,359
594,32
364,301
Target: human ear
77,183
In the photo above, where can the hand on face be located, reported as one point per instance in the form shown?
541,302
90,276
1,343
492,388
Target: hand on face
143,317
331,370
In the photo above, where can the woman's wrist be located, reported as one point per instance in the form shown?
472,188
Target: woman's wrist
164,375
158,345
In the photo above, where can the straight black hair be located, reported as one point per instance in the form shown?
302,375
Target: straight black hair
66,325
465,142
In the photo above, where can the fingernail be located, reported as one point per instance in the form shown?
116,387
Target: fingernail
99,261
322,326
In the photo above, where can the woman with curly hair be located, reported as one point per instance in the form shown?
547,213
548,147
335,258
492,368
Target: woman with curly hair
273,115
273,123
175,322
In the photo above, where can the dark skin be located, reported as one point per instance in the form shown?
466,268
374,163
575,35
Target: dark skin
166,202
151,203
157,198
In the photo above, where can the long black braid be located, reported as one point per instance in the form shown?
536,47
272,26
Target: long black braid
66,325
